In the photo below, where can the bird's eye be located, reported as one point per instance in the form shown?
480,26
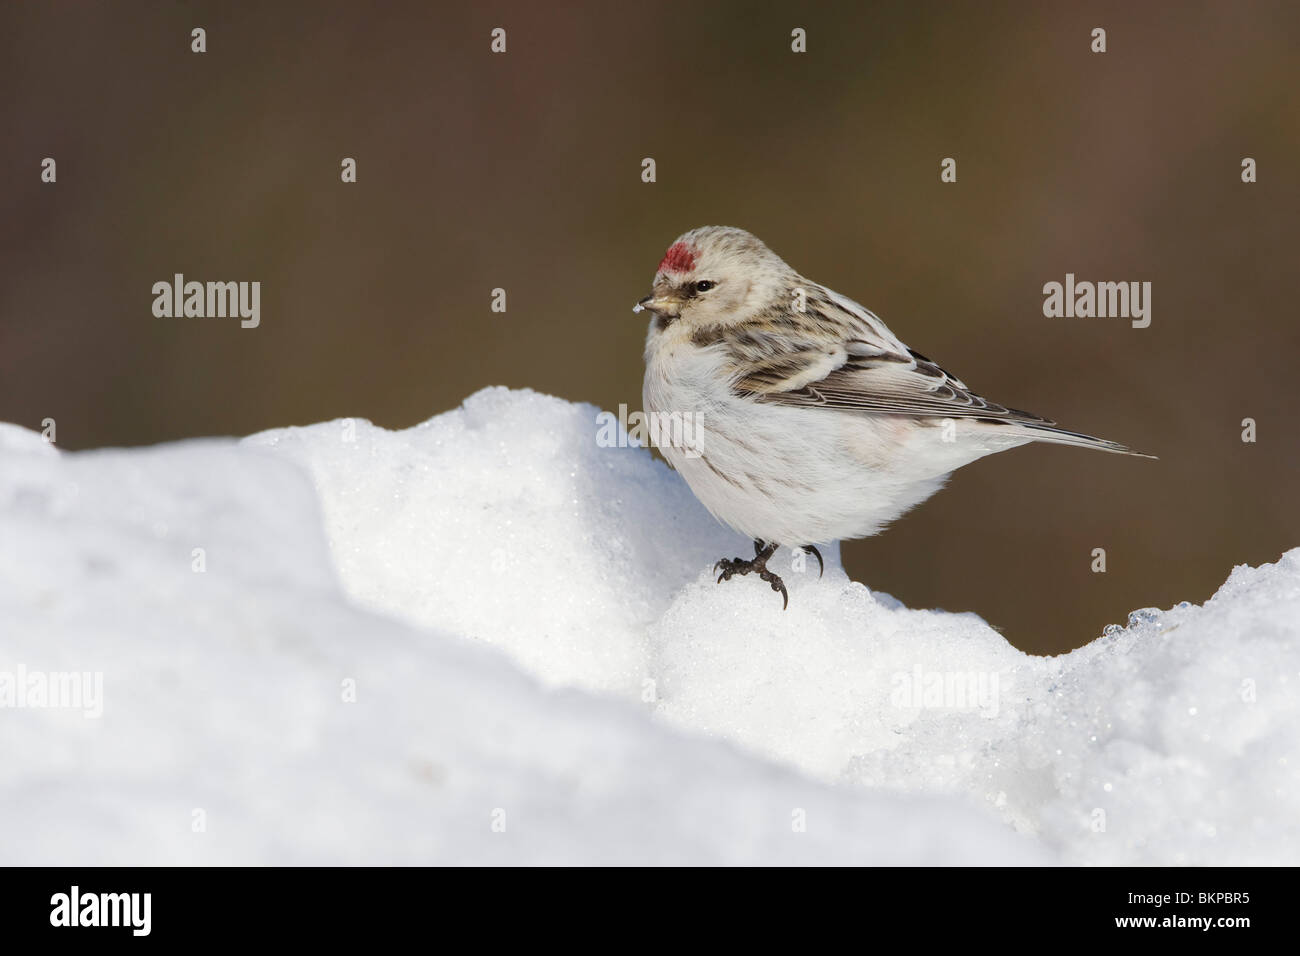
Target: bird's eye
704,285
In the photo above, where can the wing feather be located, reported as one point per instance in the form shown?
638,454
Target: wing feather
838,354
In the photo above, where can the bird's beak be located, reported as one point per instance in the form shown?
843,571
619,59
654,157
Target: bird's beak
659,305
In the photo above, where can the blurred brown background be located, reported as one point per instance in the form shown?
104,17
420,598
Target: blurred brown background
523,171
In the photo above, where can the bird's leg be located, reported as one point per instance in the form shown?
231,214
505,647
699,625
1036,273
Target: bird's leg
821,567
762,552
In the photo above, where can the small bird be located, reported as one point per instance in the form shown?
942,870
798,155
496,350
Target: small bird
809,420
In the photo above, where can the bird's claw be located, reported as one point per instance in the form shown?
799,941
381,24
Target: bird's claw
729,567
777,585
821,566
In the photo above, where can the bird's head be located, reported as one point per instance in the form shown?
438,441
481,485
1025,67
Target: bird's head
712,277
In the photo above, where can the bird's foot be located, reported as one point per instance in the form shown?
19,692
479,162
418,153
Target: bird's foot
729,567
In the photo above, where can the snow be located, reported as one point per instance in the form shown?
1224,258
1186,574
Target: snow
489,639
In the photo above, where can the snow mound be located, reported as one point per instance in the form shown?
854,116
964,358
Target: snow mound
545,671
249,713
1171,741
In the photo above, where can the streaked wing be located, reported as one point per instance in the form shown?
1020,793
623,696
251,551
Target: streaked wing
840,355
895,385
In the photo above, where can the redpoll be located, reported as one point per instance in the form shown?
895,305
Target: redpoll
808,419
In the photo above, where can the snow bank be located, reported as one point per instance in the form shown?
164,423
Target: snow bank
535,638
251,715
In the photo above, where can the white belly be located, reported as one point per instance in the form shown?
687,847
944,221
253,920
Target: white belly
791,475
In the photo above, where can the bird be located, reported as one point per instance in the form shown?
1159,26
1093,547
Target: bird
809,420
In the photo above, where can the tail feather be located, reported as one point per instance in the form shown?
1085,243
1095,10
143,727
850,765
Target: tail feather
1062,436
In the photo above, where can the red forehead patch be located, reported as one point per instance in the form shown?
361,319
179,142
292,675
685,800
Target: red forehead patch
678,258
